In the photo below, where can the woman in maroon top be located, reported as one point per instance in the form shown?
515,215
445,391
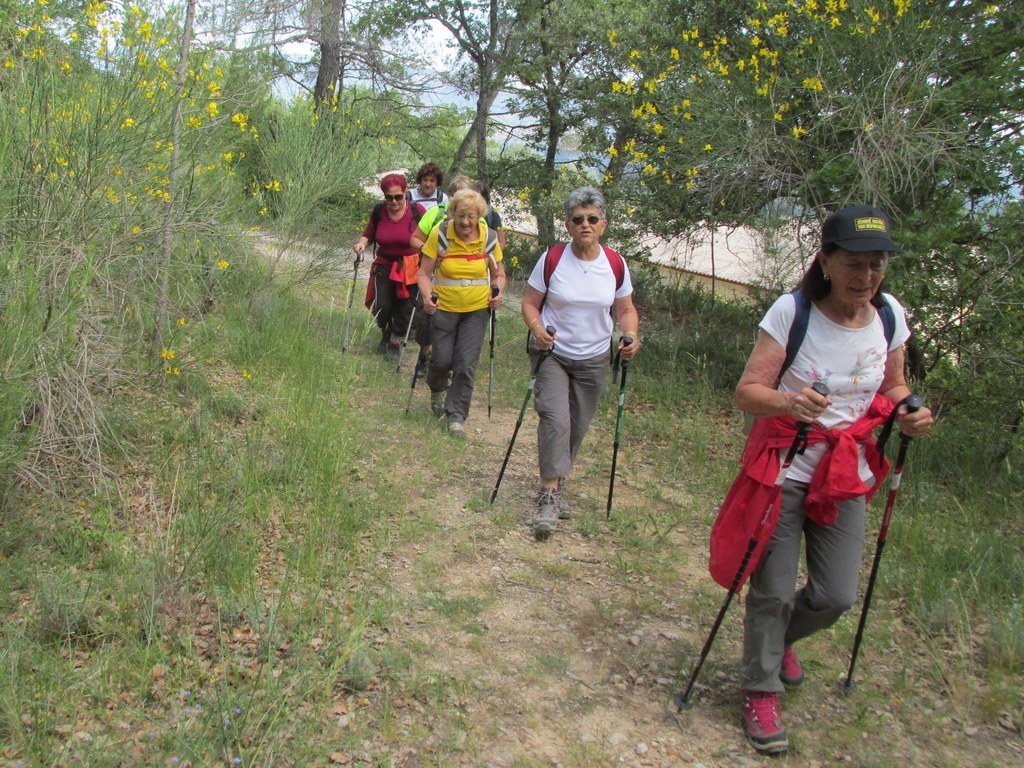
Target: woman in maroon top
392,290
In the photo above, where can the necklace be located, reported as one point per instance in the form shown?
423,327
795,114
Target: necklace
586,264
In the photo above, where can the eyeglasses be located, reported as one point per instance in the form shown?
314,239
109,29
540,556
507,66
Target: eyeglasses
393,198
591,220
465,217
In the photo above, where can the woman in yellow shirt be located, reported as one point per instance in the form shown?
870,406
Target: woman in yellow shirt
460,263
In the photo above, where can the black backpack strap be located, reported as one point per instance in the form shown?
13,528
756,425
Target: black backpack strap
797,330
888,317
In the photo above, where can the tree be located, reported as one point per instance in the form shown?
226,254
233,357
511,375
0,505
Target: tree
912,106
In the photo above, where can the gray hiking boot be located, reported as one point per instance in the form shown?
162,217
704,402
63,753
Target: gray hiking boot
547,514
456,429
564,510
437,403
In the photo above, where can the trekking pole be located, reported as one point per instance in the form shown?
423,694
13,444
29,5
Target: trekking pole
490,379
624,341
913,403
351,297
522,411
420,369
682,700
405,339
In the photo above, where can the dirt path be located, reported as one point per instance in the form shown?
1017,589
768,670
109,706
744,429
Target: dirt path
566,653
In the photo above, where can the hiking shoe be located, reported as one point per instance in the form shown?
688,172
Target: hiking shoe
762,722
437,403
392,351
564,510
791,674
456,429
547,514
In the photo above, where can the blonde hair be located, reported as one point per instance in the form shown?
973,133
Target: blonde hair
459,182
468,200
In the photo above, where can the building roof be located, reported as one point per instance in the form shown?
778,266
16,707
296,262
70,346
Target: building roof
756,258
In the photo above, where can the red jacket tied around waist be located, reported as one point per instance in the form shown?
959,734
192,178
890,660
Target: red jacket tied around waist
836,478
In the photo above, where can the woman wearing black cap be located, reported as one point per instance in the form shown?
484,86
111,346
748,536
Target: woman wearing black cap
853,344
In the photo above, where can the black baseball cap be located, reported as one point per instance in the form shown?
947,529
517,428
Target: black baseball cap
859,228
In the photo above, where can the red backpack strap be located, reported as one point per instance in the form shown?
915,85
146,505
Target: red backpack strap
551,261
617,264
614,260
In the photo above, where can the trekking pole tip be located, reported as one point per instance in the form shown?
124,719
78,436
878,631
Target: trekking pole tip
682,702
847,686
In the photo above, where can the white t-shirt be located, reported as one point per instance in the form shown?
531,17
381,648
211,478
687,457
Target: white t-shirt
426,202
579,302
850,361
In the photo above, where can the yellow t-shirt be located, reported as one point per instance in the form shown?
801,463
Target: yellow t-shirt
463,261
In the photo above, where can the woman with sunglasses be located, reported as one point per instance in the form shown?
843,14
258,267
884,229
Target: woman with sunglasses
577,299
392,289
466,269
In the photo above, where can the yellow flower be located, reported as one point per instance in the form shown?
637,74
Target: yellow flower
798,132
167,354
173,371
182,321
246,374
814,84
223,264
707,147
212,109
273,186
127,123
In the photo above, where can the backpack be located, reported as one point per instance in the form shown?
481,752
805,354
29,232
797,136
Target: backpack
442,240
555,255
378,212
438,195
798,329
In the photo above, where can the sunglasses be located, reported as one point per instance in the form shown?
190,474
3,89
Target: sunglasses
393,198
591,220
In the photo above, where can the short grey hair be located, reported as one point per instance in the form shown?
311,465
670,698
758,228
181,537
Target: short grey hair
584,197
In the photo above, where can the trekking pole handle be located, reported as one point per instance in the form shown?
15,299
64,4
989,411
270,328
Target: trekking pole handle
822,389
495,290
913,403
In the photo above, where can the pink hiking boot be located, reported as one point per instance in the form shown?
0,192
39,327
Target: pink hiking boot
762,722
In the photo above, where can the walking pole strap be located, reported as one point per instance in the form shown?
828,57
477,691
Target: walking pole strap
913,403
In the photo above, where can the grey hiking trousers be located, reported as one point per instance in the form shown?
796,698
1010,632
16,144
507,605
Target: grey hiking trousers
566,398
456,339
777,614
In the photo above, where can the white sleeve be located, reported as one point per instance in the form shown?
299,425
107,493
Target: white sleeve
536,280
779,318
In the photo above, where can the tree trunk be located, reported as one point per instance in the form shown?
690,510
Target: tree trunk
326,21
476,135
